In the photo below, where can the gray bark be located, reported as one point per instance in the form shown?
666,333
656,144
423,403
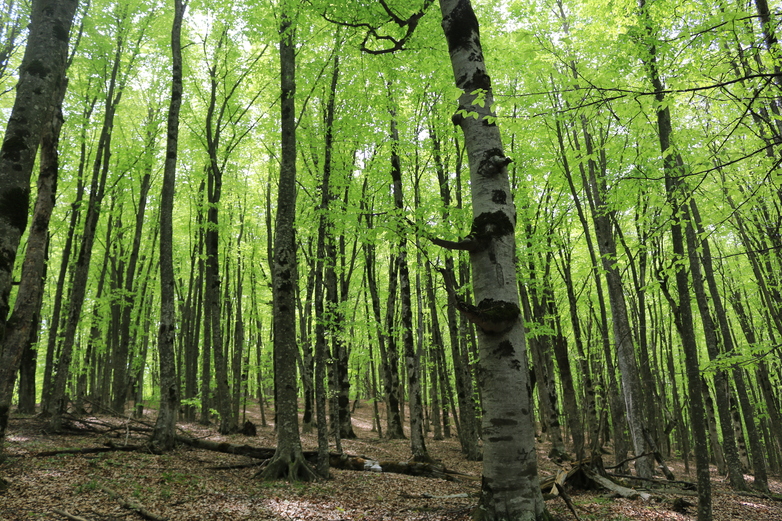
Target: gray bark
288,460
23,322
467,428
672,169
510,488
164,434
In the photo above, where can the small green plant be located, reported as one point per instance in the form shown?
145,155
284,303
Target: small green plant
179,478
86,487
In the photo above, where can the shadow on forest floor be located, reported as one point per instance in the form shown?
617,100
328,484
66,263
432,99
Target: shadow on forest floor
186,485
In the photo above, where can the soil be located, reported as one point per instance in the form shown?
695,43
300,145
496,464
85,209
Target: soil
186,484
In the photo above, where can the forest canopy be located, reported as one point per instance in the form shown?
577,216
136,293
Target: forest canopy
641,141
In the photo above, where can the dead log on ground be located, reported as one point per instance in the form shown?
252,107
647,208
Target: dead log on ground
110,447
336,461
227,448
585,474
609,485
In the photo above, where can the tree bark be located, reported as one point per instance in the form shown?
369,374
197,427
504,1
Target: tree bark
164,434
510,488
674,188
122,376
40,75
468,432
288,460
702,245
100,170
24,320
412,358
721,382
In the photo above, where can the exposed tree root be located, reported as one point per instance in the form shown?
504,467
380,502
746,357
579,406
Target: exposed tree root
289,467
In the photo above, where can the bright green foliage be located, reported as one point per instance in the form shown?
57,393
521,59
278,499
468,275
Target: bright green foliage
562,68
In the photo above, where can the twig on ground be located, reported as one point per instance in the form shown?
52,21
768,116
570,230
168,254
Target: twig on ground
66,515
566,497
132,505
430,496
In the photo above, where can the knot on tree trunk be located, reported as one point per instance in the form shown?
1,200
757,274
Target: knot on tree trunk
492,316
493,162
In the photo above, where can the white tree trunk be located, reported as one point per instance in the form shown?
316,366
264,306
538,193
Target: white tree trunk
510,488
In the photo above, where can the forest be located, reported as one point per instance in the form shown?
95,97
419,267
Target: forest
544,235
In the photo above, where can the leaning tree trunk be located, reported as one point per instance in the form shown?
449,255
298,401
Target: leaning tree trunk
288,460
40,75
510,488
20,327
164,434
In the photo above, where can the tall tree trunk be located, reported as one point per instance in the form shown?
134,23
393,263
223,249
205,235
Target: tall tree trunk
65,263
412,357
121,375
22,325
164,432
41,73
702,246
617,408
468,432
325,235
583,362
288,460
623,340
239,372
672,169
510,488
763,377
81,269
390,356
721,382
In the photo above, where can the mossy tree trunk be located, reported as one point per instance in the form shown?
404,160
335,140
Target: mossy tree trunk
40,75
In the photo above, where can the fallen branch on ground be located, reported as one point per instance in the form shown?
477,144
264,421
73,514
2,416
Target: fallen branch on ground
132,505
68,516
609,485
430,496
566,498
336,461
110,447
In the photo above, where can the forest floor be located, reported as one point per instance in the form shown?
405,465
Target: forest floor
186,485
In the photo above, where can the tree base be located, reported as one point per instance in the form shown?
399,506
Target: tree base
288,467
482,514
423,458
